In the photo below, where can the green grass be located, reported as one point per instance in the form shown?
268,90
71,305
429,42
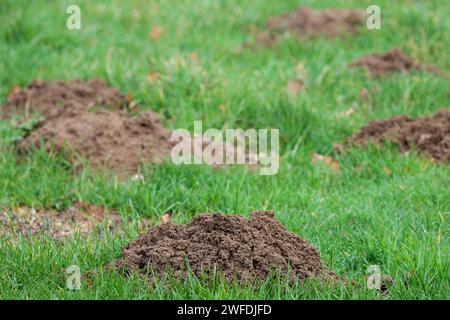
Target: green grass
364,215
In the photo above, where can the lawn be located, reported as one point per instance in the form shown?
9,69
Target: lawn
381,208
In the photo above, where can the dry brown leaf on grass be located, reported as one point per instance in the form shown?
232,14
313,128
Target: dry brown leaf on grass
386,283
346,113
133,105
294,86
193,56
152,76
363,94
327,160
166,218
156,32
137,177
15,89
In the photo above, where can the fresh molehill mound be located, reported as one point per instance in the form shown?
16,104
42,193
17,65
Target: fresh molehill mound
430,135
90,121
86,119
393,60
81,218
107,139
51,97
237,247
307,21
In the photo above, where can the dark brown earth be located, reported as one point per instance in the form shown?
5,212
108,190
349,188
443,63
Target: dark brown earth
81,218
90,121
239,248
51,97
393,60
430,135
87,120
107,139
307,21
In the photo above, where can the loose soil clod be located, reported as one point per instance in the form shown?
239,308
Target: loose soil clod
430,135
237,247
393,60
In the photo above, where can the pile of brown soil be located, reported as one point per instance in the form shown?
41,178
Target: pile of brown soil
307,21
88,121
393,60
81,218
51,97
107,139
239,248
430,135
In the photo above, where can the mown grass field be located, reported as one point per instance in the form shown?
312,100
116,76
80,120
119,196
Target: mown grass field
383,208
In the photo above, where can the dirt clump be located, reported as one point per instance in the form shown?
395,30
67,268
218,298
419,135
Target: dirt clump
306,21
87,119
428,134
90,121
394,60
238,248
82,218
107,139
48,98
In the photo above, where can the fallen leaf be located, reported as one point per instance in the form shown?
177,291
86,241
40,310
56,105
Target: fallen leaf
137,177
328,161
193,56
133,105
386,283
166,218
346,113
294,86
152,76
363,93
15,89
155,33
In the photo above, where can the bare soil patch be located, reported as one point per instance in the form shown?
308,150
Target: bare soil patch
428,134
81,218
239,248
